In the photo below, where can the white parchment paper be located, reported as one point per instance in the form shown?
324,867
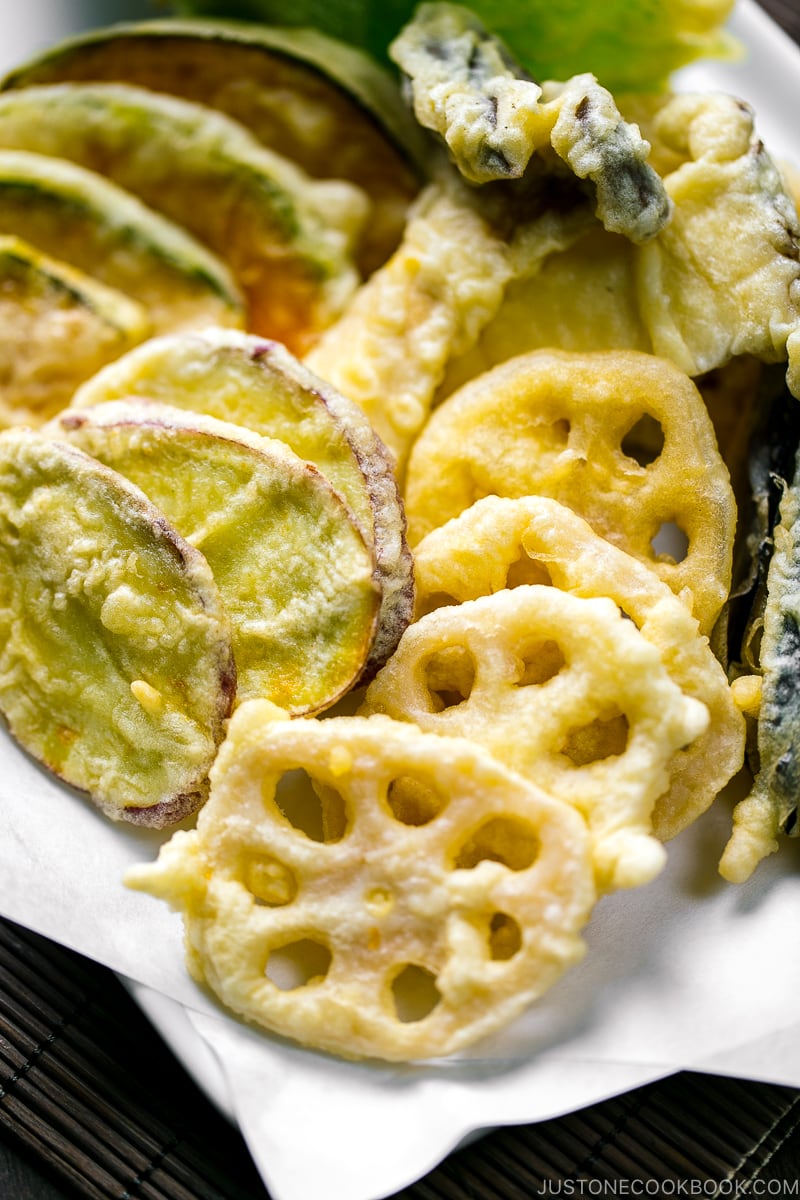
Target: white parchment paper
689,972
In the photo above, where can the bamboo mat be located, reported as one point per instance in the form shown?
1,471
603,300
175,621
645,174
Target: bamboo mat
89,1090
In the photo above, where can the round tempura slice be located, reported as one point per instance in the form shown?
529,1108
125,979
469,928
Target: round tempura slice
317,100
285,237
257,383
502,543
564,690
116,670
621,437
295,574
58,326
436,896
81,218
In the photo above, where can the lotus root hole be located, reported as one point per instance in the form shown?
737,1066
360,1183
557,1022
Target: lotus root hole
601,738
413,801
507,840
269,881
298,964
526,570
670,543
429,604
311,807
539,662
415,993
644,441
449,677
505,937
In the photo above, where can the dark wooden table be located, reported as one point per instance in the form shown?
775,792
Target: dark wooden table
94,1106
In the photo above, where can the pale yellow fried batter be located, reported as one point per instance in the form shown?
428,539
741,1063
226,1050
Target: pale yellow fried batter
770,809
116,663
582,298
501,543
563,689
389,350
702,300
685,295
571,426
434,897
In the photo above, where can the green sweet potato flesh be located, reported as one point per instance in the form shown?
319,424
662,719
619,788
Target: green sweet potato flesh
116,669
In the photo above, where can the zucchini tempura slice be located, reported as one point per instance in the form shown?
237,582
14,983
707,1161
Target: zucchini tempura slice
58,327
493,117
703,304
501,543
81,218
771,808
252,382
571,427
116,669
294,572
285,237
564,690
426,898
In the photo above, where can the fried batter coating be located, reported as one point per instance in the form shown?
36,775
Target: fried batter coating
462,247
116,663
569,426
582,298
684,295
429,303
701,302
563,689
431,300
257,383
501,543
771,808
295,573
448,895
58,326
466,87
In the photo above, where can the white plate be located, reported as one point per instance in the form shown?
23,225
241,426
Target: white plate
689,973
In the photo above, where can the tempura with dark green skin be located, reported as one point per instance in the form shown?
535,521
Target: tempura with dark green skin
771,809
467,88
58,326
322,103
81,218
772,430
285,237
116,668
